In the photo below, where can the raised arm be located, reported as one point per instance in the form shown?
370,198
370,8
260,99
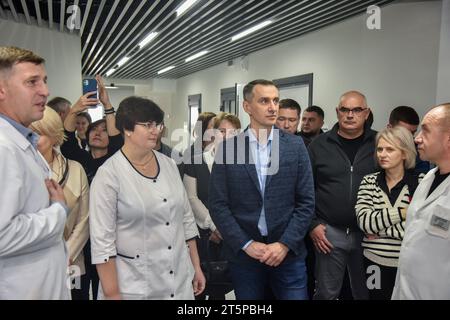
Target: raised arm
81,105
109,116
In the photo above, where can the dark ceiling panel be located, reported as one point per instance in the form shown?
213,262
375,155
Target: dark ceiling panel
113,29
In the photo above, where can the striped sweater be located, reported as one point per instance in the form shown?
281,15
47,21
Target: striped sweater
380,221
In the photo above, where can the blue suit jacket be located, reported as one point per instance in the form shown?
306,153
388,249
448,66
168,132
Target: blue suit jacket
235,199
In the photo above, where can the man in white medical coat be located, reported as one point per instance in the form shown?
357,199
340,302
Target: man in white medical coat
424,265
33,257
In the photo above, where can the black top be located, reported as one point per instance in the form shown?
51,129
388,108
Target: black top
306,140
199,170
351,146
409,178
71,150
336,180
438,179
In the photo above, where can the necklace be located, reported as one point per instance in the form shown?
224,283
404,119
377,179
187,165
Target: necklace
144,165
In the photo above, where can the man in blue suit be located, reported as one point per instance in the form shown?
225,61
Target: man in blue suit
261,198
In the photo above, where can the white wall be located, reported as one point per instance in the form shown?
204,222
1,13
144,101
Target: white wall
443,85
161,91
61,51
392,66
117,95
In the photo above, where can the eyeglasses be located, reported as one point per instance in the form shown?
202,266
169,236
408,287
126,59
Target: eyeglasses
357,110
151,125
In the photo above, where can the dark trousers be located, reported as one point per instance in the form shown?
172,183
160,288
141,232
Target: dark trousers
90,277
386,281
331,267
210,251
288,281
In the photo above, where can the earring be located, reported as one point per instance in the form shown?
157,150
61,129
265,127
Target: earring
128,134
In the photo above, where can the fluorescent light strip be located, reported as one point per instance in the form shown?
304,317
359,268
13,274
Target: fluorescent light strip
166,69
122,61
251,30
147,39
110,72
197,55
185,6
109,87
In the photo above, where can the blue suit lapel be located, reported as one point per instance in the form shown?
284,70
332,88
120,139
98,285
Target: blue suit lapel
274,155
250,164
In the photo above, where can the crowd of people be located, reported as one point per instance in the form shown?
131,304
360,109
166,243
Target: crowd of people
284,213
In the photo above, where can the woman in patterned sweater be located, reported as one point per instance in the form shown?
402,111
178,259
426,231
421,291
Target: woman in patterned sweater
383,200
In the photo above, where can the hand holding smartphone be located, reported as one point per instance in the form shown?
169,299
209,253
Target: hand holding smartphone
90,85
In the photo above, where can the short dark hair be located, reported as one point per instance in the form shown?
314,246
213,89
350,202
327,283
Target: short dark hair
137,109
92,126
317,110
248,89
405,114
85,115
59,103
205,118
12,55
290,104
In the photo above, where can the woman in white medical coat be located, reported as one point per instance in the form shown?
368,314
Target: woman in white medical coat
142,227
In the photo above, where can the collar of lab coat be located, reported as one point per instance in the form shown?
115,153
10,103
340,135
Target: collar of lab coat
14,135
422,192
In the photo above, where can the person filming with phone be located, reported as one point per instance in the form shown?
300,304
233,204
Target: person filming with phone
103,140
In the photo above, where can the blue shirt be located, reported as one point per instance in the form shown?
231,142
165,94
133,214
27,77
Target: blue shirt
31,136
261,156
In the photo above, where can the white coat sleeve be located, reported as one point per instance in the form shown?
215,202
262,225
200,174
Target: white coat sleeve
190,227
103,215
24,232
201,213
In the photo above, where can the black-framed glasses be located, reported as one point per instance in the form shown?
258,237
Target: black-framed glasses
151,125
357,110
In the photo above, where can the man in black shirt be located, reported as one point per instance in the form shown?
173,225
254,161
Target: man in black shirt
340,158
312,123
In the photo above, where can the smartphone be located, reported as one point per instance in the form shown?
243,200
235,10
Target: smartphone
90,85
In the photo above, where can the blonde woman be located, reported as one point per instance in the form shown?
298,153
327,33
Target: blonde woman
383,199
72,178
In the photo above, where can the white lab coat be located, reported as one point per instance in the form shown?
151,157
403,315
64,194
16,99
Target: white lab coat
33,256
144,224
424,264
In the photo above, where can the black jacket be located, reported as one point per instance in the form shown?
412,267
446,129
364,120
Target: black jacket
336,180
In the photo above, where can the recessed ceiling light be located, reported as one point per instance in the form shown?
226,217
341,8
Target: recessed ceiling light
166,69
185,6
110,72
251,30
197,55
122,61
147,39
